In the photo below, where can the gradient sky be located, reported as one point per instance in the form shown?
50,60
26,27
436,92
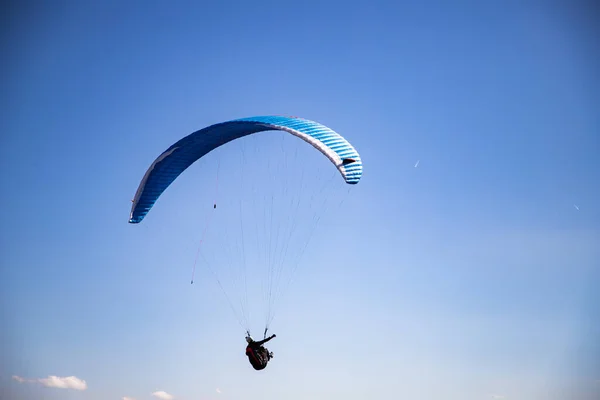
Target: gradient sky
473,276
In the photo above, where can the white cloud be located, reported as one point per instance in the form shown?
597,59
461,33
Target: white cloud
163,395
497,397
127,398
218,390
68,382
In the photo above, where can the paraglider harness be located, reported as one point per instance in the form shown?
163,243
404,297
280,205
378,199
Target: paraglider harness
257,354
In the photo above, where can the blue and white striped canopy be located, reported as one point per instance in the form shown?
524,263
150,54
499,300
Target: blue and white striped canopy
171,163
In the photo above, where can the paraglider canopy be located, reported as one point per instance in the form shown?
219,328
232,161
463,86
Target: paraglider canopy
177,158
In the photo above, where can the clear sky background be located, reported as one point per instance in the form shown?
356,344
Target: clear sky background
473,276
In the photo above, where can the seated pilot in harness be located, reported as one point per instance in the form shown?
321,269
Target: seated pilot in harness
258,355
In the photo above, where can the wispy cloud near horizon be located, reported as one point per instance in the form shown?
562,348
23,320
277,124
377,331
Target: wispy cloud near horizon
53,381
163,395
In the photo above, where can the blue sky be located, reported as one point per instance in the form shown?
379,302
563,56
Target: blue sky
473,276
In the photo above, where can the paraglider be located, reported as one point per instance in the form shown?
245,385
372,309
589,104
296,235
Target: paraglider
258,355
277,241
